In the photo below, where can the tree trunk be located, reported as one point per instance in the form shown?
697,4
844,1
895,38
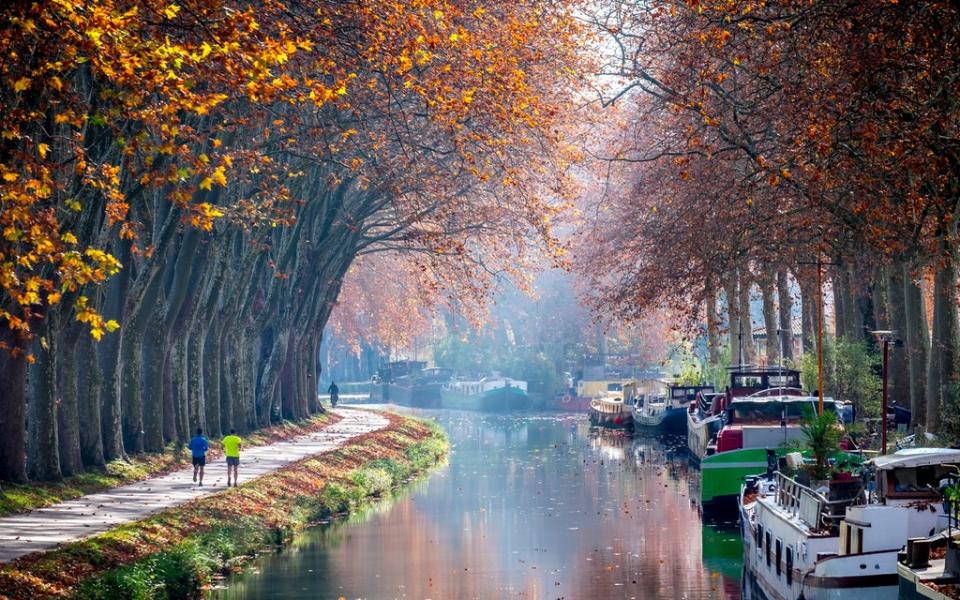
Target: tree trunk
89,384
808,314
839,306
713,327
942,362
746,320
896,320
130,389
917,346
68,411
13,418
153,357
43,453
211,381
770,321
733,318
785,301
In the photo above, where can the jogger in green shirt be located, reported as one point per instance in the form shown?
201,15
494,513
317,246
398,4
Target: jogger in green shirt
231,447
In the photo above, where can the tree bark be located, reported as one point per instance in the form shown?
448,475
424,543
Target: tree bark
746,320
91,439
13,418
942,362
896,320
770,321
713,326
917,346
43,453
68,411
733,318
785,302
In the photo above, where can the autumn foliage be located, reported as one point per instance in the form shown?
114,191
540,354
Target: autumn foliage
202,174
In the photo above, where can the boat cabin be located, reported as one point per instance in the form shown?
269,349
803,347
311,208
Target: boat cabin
915,473
682,394
767,421
748,380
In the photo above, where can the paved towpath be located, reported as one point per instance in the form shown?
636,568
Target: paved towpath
46,528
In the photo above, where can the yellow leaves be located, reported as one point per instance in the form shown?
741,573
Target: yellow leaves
112,325
454,37
42,149
10,176
203,215
219,176
73,205
21,84
86,314
206,184
205,50
438,14
56,83
171,11
342,90
68,238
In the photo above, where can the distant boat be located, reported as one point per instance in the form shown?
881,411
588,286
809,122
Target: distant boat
410,383
498,394
666,415
611,410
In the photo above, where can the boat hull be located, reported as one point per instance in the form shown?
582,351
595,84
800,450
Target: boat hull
672,421
416,396
497,400
699,434
620,420
722,475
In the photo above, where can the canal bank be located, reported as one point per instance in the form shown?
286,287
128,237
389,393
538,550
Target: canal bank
176,551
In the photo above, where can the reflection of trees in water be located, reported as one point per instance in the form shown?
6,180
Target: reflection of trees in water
525,503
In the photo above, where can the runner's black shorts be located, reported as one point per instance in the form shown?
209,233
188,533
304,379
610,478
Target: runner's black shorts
199,461
233,460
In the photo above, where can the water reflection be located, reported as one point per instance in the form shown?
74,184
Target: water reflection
534,506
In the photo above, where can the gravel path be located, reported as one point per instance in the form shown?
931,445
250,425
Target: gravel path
46,528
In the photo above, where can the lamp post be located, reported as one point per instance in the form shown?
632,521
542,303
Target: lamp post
885,337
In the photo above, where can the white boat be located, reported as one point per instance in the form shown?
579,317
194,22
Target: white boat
611,411
841,541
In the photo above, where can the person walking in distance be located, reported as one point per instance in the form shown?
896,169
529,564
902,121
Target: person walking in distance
231,447
334,392
198,447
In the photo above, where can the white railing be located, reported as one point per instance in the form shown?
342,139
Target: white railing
813,508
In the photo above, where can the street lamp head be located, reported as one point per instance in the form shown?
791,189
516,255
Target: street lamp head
884,335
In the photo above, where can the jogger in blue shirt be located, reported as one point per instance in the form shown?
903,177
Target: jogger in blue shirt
198,447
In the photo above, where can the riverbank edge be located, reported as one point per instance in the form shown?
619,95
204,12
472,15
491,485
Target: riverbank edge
177,552
19,498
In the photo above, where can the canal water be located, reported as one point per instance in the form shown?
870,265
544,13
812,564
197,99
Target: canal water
529,506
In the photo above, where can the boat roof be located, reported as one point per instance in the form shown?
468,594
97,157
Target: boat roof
761,370
777,399
917,457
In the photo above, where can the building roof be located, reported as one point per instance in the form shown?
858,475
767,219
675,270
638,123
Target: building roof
917,457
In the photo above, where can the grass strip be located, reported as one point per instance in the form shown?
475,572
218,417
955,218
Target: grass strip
177,553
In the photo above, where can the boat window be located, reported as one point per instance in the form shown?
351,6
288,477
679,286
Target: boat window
789,565
785,380
779,555
919,481
614,387
746,412
747,381
759,536
766,538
